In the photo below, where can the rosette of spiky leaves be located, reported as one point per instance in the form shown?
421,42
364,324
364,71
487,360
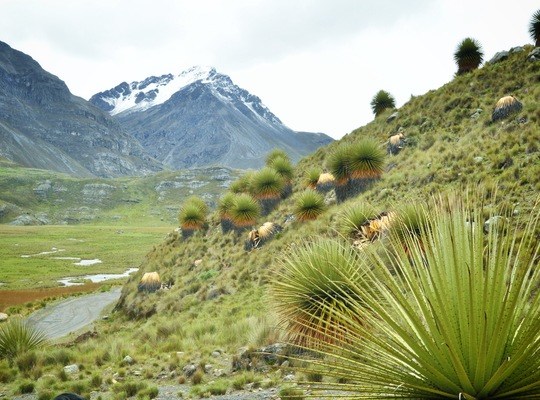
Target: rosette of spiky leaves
276,153
352,219
309,205
312,177
267,184
18,336
457,317
411,220
309,285
242,184
338,164
534,28
285,169
198,202
225,204
468,55
245,211
191,218
366,159
382,101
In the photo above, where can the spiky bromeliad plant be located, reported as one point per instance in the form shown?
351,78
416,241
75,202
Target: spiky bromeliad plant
312,177
244,212
534,28
338,165
365,164
192,217
276,153
17,337
458,318
242,184
309,205
309,285
267,186
468,55
352,219
382,101
225,204
285,169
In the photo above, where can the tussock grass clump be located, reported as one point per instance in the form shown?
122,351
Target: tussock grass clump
225,204
242,184
338,164
351,220
456,316
365,164
267,186
309,205
17,337
274,154
191,218
285,169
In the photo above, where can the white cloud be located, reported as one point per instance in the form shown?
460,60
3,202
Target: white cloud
315,63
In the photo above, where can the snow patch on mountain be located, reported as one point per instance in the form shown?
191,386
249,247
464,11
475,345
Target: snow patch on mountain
155,90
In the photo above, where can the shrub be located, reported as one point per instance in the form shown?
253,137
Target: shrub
267,186
309,205
381,102
458,318
468,55
534,28
291,393
245,211
26,361
17,337
314,279
242,184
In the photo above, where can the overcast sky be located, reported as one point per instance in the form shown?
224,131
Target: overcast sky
315,63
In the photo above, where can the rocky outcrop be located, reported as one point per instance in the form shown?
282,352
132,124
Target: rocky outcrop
44,126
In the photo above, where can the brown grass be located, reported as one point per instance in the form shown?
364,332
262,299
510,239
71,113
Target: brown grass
10,298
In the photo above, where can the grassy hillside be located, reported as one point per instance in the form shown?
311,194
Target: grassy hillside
218,301
34,197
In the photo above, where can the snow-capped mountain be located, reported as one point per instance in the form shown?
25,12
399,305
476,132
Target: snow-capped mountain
200,117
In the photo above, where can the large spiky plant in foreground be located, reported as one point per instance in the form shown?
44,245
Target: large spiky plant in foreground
309,285
534,28
468,55
382,101
18,337
458,318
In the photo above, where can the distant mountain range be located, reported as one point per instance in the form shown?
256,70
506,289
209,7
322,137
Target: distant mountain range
199,118
43,125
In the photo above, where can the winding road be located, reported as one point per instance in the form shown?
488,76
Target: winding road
60,319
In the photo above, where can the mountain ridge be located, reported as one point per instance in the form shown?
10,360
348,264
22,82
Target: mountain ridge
200,118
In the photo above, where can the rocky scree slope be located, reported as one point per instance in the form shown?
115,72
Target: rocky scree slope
200,118
43,125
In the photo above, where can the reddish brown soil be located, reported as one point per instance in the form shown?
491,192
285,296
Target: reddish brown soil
10,298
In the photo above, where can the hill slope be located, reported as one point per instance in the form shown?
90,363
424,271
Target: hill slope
44,126
201,118
217,299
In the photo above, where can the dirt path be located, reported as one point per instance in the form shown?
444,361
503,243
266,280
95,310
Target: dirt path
67,316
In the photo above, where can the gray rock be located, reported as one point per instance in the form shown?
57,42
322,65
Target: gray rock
496,220
478,159
216,354
517,49
477,113
71,369
288,378
25,220
189,370
3,317
499,56
392,117
534,55
128,360
42,189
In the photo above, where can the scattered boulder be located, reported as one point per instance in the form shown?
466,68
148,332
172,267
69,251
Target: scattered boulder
25,220
495,221
3,317
499,56
128,360
476,113
534,55
392,117
42,189
517,49
71,369
189,370
478,159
